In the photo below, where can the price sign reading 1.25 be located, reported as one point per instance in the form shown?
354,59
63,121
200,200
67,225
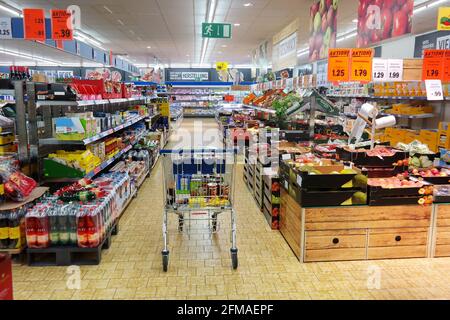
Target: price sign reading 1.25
361,66
433,65
34,24
338,65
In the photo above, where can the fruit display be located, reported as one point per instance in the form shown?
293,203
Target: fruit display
396,20
433,175
394,182
380,156
323,28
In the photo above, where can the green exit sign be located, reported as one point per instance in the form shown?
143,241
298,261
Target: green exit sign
216,30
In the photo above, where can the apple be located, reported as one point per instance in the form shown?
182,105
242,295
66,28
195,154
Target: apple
330,16
335,4
312,42
318,42
400,24
324,23
317,22
333,40
314,9
388,4
327,37
362,26
386,23
362,9
434,171
329,3
322,7
335,21
401,2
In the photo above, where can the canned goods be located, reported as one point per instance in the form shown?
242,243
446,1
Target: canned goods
212,189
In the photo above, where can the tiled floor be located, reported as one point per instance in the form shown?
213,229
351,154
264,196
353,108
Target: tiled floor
200,266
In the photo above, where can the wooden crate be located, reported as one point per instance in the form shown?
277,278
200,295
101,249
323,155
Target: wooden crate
412,69
441,235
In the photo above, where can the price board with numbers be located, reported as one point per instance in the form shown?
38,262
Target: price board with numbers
361,65
61,25
433,65
5,28
379,70
338,65
34,24
434,90
395,70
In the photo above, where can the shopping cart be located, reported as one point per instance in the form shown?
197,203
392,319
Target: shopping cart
198,183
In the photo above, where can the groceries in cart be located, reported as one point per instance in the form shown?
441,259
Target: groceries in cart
201,191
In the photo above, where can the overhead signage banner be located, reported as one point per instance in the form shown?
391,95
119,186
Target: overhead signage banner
433,40
323,28
188,76
382,20
284,54
34,24
339,65
61,25
288,46
361,65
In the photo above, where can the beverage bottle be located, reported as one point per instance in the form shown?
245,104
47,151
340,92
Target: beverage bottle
63,226
4,231
83,241
72,218
14,230
30,229
92,229
43,237
54,227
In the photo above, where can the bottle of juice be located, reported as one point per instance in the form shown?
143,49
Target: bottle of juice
54,227
31,229
83,240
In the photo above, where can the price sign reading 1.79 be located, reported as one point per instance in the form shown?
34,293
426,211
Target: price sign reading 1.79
338,65
433,65
361,67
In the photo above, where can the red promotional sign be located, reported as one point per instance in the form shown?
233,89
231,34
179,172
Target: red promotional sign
381,20
6,286
433,65
61,25
34,24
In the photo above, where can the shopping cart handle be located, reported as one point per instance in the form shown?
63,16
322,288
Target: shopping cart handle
204,150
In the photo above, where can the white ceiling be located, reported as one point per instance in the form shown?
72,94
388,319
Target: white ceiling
173,27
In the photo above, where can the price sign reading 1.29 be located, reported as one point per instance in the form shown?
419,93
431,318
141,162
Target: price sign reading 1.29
338,65
361,67
433,65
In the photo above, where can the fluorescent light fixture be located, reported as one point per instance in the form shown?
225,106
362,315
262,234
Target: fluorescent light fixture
82,36
10,9
302,52
107,9
210,18
120,22
237,24
355,20
248,4
224,46
31,57
149,47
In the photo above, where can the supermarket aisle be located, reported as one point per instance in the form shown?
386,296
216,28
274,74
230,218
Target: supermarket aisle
200,266
195,133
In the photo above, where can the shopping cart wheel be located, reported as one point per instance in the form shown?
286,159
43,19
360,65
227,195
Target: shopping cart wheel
180,223
165,260
214,222
234,258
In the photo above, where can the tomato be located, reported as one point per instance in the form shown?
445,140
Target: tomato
408,7
386,23
361,25
378,3
401,2
400,24
375,36
388,4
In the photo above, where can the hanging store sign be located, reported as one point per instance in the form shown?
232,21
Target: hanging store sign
216,30
323,28
288,46
433,40
34,24
338,65
188,76
361,65
443,22
5,28
433,65
61,25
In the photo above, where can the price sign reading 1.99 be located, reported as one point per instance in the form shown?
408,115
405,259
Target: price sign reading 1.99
361,67
433,65
338,65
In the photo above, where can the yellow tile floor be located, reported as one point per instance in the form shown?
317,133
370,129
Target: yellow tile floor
200,265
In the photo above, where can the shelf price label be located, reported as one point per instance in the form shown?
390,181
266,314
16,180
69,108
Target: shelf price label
34,24
361,66
338,65
5,28
61,25
380,70
395,70
433,65
434,90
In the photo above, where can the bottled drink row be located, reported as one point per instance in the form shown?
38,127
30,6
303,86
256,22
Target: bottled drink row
19,73
79,215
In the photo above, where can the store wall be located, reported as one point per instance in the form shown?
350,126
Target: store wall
399,49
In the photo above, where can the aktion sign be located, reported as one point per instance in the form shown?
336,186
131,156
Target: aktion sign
61,25
338,65
433,65
361,65
34,24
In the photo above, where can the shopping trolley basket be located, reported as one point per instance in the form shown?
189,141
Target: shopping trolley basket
198,180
